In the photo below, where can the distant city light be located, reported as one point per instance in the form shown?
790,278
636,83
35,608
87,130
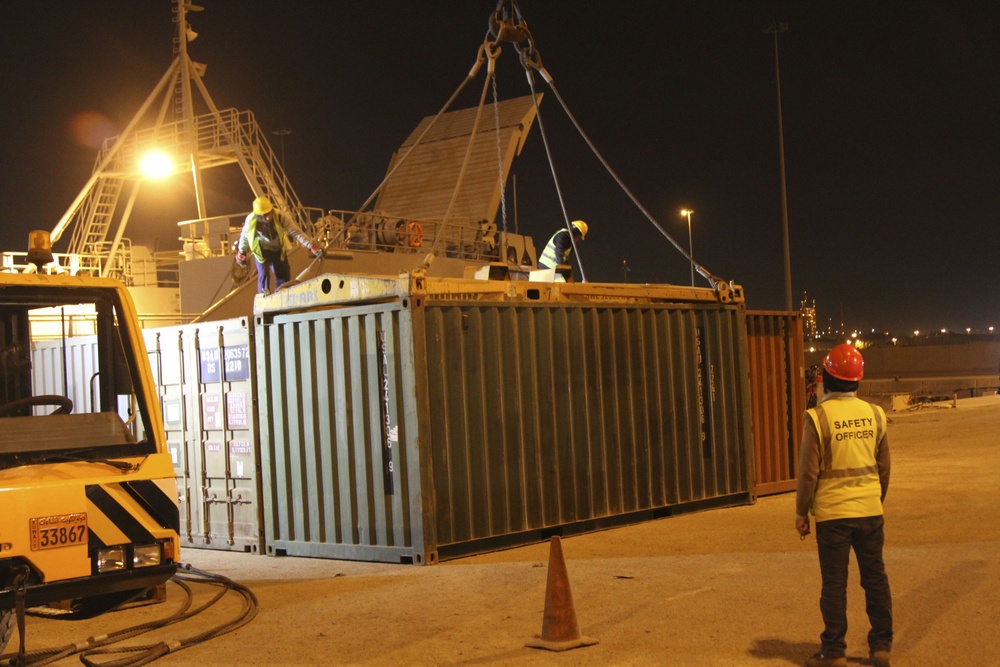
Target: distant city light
968,329
894,339
916,333
944,331
156,165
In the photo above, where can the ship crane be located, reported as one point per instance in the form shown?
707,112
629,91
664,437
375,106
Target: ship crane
169,124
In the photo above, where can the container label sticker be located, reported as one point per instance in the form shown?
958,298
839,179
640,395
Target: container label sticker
706,393
211,411
236,409
390,431
239,447
172,413
234,366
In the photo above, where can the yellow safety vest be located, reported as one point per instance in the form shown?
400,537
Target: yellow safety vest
849,432
250,227
548,258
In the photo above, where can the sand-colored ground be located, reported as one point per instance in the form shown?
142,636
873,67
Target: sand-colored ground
723,587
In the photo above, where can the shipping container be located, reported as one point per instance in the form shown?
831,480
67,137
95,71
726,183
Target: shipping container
204,376
414,419
778,388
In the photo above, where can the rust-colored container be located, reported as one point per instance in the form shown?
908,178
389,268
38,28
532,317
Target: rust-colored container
778,396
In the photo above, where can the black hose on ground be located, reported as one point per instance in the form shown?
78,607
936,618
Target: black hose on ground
144,654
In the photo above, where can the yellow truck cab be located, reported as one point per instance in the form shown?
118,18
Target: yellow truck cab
88,498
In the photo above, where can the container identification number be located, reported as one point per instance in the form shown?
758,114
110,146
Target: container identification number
63,530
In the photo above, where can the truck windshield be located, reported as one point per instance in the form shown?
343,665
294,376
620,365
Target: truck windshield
68,378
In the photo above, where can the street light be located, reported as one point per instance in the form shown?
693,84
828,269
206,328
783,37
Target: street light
281,134
688,213
776,28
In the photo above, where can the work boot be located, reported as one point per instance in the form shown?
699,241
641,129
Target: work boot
822,660
879,658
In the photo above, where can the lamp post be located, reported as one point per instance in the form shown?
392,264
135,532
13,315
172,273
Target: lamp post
688,213
281,134
775,28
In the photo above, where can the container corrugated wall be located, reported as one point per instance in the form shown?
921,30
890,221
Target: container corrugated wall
204,376
419,429
545,416
339,435
777,385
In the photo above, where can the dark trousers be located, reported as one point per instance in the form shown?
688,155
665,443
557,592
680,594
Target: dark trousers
272,262
836,539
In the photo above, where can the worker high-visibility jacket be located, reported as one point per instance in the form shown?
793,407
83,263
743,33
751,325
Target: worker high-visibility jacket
259,235
557,250
850,433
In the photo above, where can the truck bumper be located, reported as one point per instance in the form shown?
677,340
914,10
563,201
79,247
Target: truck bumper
102,584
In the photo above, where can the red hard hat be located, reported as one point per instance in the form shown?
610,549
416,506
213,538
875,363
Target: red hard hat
845,363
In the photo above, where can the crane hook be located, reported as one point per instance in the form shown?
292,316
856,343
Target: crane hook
502,23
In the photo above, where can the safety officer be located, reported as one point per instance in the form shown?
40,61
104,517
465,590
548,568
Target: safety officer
843,478
265,235
559,247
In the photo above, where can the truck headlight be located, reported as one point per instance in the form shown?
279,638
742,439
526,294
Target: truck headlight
146,555
111,559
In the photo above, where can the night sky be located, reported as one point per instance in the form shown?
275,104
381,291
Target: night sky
891,117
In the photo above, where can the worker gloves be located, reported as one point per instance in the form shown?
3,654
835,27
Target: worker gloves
241,259
316,251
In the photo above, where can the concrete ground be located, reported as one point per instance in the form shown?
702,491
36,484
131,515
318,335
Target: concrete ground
723,587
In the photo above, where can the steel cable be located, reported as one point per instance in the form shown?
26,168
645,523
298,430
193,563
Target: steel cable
102,645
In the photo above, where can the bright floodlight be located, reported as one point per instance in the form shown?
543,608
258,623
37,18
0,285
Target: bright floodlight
156,165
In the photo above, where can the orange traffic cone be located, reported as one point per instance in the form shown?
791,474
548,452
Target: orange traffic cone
559,629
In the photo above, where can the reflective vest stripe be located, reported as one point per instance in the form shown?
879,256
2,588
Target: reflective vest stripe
849,431
548,259
826,454
848,472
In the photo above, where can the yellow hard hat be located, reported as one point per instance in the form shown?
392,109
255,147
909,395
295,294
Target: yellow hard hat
582,226
262,206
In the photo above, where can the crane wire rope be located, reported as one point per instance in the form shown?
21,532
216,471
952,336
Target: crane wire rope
491,56
324,240
503,26
649,216
524,44
500,179
461,86
555,177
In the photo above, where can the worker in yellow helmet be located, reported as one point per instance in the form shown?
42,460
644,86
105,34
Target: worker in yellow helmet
265,235
843,477
559,247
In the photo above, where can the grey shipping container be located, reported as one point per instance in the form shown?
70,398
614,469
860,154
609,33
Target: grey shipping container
204,378
418,419
204,373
